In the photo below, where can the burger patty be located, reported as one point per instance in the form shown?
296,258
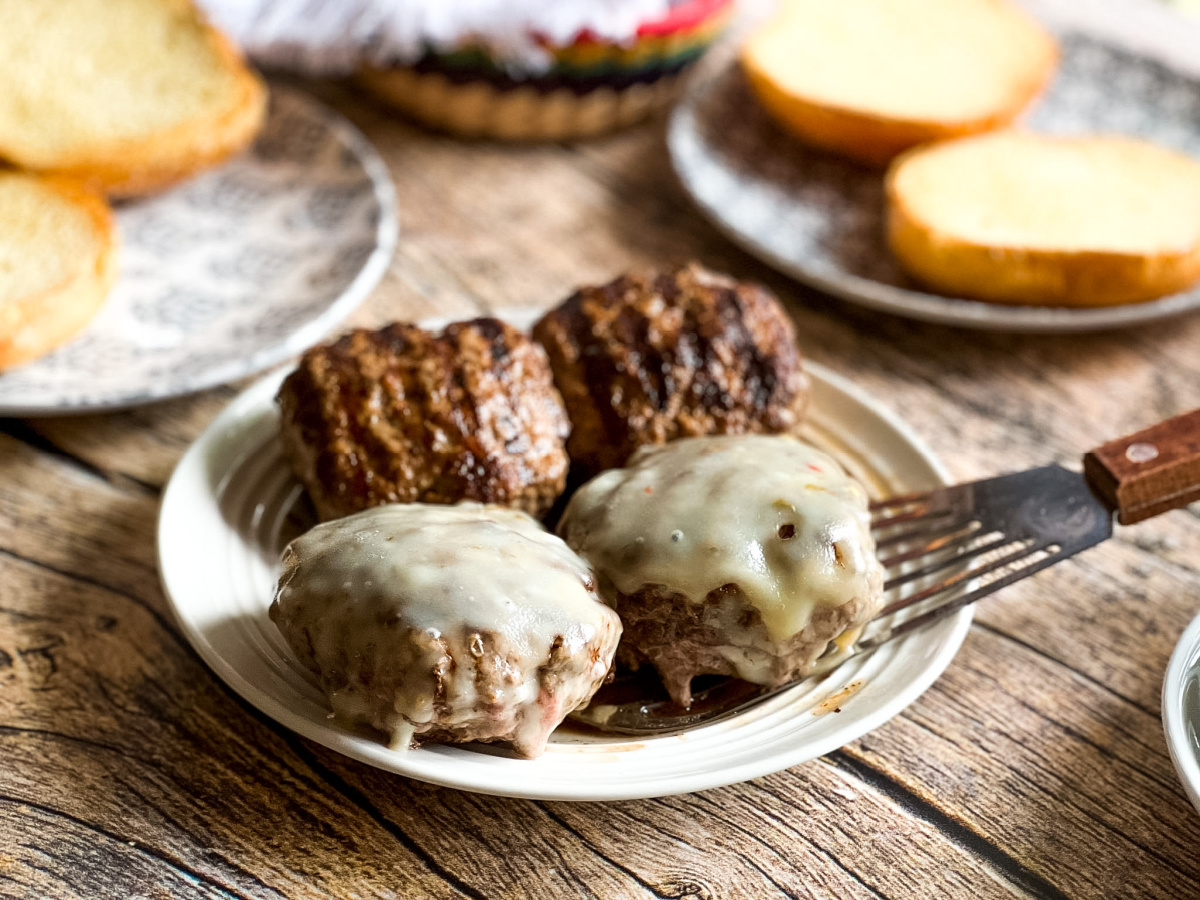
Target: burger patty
655,356
728,555
723,635
446,623
402,415
478,685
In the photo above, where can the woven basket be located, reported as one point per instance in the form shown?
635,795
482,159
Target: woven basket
591,87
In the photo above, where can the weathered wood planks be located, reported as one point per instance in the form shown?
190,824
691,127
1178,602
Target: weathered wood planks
1035,768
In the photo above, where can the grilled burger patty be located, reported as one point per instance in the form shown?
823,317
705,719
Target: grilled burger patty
655,356
722,635
402,415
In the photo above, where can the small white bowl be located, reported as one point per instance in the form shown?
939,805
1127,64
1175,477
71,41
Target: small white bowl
1181,710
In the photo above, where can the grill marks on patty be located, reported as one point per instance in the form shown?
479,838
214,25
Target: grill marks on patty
651,357
403,415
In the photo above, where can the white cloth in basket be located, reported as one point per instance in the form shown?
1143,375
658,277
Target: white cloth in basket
331,37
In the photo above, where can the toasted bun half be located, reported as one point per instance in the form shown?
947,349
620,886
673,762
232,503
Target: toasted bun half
128,95
58,260
869,79
1022,218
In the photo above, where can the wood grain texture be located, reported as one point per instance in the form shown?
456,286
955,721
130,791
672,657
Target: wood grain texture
1035,767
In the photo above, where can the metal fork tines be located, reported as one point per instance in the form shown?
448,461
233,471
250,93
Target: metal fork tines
947,548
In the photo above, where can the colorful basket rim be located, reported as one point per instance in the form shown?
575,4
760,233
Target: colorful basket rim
686,16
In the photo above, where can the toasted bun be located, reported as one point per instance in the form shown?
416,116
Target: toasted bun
870,78
129,95
1033,219
58,255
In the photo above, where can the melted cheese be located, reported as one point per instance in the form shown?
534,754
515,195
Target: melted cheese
774,516
467,573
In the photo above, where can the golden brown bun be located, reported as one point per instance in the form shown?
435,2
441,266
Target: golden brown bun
58,255
869,79
1014,217
128,95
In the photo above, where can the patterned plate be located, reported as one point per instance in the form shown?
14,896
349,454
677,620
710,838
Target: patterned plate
231,272
820,219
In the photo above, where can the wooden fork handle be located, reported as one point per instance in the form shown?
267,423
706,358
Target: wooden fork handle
1144,474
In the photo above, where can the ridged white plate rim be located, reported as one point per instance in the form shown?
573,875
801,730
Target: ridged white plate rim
194,538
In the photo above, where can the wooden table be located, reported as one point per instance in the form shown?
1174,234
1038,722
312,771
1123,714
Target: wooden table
1035,767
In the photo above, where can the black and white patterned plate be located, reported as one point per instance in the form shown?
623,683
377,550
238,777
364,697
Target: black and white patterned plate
820,219
231,272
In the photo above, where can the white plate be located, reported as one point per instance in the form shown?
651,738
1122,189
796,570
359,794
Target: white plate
225,519
231,272
1181,710
819,219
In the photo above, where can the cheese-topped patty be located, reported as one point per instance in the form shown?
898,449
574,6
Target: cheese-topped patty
774,516
453,623
736,555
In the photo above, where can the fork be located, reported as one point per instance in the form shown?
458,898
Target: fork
949,547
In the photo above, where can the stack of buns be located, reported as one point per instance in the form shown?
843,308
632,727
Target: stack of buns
931,88
116,98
